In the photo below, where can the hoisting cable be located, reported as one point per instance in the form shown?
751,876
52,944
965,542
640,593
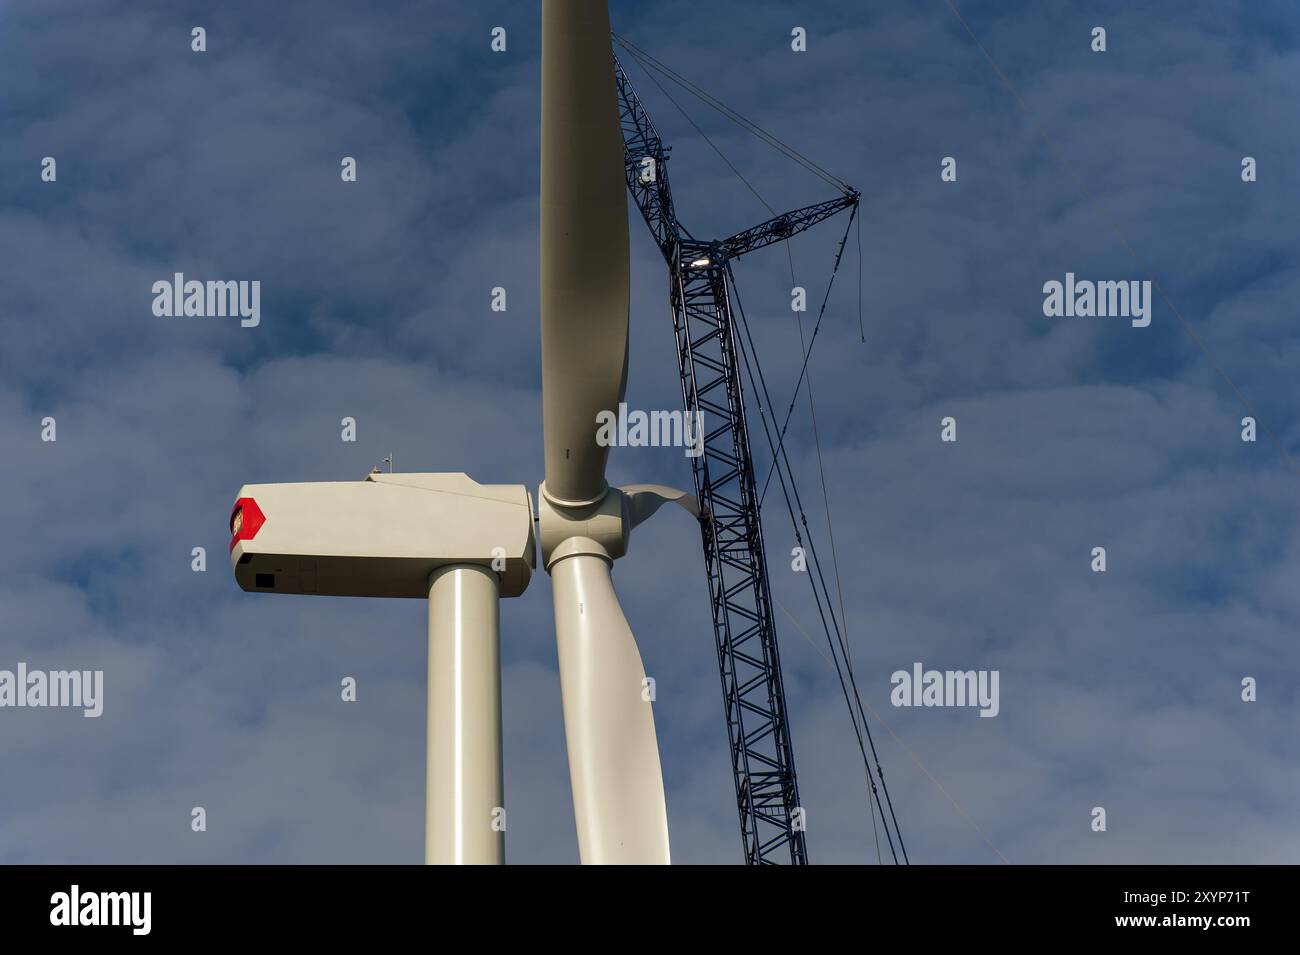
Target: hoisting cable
830,531
704,136
649,62
779,454
862,334
714,146
755,389
817,595
759,386
844,649
794,398
834,658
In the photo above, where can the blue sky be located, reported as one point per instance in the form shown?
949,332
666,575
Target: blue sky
1119,689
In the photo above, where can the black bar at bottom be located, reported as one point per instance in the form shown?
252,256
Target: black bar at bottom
212,904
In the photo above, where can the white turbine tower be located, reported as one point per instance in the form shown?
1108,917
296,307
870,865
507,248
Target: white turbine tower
464,545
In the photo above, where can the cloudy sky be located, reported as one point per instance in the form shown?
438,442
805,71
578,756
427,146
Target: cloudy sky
1120,690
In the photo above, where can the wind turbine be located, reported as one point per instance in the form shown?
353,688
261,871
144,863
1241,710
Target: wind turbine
464,545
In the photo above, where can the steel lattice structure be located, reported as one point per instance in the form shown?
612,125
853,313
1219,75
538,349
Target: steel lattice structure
709,363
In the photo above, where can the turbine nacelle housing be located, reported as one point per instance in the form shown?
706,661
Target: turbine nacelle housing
381,537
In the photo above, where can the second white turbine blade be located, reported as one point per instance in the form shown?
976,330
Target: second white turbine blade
584,246
618,790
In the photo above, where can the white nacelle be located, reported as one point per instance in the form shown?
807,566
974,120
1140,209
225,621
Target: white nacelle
380,537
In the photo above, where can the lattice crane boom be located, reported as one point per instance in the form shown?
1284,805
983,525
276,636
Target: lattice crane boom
709,364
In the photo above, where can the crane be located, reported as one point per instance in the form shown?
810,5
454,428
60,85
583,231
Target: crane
701,288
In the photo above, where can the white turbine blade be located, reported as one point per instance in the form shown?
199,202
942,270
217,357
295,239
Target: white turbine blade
618,787
644,499
584,246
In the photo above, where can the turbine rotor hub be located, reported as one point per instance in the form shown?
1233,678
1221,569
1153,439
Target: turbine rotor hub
601,527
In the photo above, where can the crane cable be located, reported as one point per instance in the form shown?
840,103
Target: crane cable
758,384
648,62
830,531
807,352
714,146
668,96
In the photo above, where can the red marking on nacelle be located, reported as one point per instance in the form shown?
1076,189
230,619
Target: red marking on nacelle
251,520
